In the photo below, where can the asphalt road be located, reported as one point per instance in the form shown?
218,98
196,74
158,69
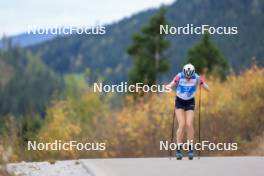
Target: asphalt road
217,166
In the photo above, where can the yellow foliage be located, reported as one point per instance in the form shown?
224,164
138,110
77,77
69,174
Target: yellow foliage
59,124
233,111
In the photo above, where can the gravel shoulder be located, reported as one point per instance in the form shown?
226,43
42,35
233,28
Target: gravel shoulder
217,166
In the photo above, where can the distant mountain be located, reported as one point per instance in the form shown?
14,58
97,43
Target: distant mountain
105,55
25,39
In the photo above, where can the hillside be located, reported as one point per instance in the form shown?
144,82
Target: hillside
26,40
106,55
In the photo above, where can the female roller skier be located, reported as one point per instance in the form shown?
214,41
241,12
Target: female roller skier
185,83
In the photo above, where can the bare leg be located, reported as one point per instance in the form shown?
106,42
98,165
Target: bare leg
189,125
181,123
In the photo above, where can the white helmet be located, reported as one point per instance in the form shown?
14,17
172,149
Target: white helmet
188,70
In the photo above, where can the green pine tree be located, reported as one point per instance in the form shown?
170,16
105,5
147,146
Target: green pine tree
147,51
206,57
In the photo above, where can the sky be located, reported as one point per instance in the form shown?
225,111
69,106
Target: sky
17,15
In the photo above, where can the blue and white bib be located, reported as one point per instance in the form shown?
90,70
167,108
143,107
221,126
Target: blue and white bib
186,88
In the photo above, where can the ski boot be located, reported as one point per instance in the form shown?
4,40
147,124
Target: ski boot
190,154
179,155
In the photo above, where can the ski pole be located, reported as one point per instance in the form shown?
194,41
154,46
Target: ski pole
172,128
199,119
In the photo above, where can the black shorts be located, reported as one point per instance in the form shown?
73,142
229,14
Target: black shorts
184,104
